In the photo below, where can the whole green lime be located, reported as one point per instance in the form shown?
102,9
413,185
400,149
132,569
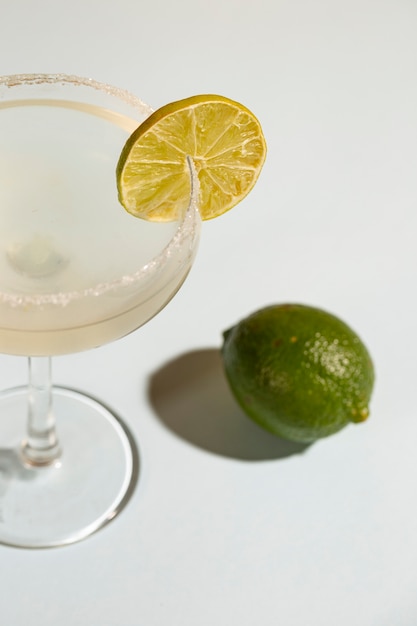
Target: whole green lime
298,371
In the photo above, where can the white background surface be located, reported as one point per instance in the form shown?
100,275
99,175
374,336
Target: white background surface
229,525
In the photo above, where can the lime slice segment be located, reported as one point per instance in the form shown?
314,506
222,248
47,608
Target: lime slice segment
222,137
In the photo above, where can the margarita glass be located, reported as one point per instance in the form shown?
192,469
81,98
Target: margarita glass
76,271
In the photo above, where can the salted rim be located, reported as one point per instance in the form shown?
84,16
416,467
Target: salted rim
18,80
185,228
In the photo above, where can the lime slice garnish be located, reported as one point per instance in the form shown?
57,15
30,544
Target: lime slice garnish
222,137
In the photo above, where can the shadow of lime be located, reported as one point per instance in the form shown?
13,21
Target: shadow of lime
191,397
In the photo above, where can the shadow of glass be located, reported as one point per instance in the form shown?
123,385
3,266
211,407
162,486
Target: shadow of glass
191,397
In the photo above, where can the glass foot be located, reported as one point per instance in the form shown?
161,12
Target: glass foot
82,490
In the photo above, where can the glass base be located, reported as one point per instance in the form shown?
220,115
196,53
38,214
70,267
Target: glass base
81,491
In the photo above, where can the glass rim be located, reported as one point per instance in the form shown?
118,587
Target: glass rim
188,225
20,80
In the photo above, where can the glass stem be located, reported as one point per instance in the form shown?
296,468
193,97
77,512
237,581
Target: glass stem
41,446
